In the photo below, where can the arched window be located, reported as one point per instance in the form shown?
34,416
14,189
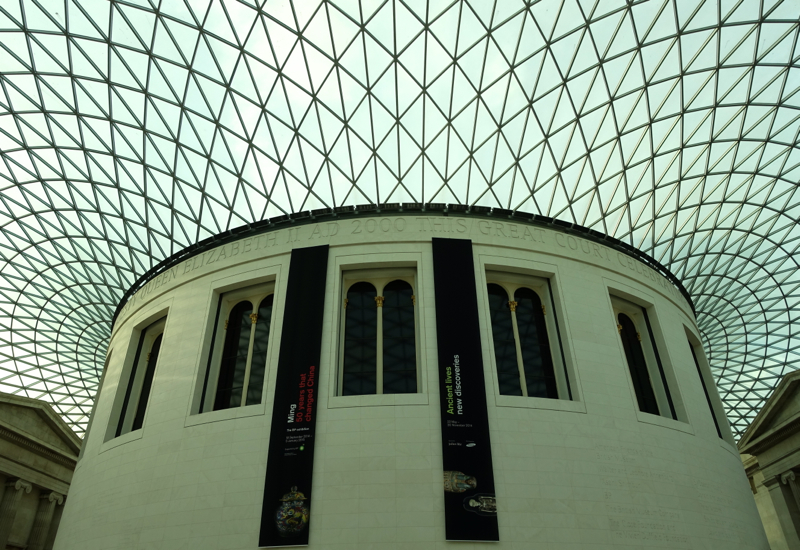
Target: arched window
537,361
238,357
234,357
140,379
642,385
147,383
505,344
399,350
648,373
359,372
379,352
255,381
709,387
522,343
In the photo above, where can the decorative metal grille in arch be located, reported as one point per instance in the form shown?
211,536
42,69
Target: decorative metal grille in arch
132,129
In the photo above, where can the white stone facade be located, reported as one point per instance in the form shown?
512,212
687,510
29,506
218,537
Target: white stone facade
591,473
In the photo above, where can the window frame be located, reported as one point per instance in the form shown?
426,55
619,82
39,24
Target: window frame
379,278
712,398
659,366
128,394
488,259
511,282
226,300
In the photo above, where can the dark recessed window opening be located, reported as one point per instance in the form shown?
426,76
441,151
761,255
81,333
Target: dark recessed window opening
378,341
524,340
707,387
642,385
649,369
238,355
140,379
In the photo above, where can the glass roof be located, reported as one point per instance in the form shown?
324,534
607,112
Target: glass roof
132,129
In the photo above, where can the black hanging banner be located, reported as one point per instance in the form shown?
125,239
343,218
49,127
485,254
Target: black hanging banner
470,505
286,511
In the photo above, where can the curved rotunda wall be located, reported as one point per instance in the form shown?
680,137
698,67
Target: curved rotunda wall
585,468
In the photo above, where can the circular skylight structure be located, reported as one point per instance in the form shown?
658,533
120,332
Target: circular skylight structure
132,129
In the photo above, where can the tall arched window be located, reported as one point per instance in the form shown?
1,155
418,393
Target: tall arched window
399,350
537,361
238,357
505,343
147,383
637,365
709,387
522,343
234,357
648,373
379,352
255,381
141,372
359,373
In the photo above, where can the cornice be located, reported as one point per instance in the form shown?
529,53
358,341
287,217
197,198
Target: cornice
40,448
771,438
750,465
774,404
46,414
399,209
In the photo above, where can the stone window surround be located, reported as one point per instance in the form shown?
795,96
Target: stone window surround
145,333
378,277
487,261
707,379
269,272
652,342
226,302
511,282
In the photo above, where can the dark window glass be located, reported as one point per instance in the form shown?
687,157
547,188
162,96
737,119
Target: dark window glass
705,390
260,345
637,366
139,396
129,389
667,393
505,349
399,350
147,383
234,358
359,375
537,362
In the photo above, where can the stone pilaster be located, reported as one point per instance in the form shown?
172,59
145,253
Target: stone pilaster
9,506
44,517
781,498
789,478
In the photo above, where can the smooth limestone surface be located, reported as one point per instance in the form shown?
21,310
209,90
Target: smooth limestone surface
592,473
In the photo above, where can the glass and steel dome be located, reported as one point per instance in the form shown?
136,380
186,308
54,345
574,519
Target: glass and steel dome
132,129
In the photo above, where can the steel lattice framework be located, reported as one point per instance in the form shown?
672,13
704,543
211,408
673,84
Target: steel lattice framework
131,129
